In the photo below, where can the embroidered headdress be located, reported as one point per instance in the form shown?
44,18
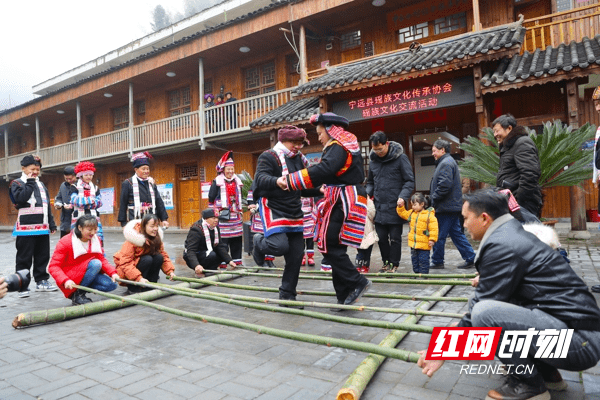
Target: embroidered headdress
225,161
139,159
84,168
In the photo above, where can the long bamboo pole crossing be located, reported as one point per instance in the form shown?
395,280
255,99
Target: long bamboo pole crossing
302,337
316,292
374,280
368,274
222,297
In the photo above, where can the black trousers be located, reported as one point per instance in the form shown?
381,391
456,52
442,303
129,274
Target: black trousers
390,242
64,233
344,275
33,248
208,261
291,246
149,266
235,247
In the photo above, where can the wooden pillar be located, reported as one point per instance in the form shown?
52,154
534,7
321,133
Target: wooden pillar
322,104
37,135
303,62
201,117
130,119
480,110
576,194
476,17
78,108
6,153
273,138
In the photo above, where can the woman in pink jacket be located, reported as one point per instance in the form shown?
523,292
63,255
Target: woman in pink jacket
78,260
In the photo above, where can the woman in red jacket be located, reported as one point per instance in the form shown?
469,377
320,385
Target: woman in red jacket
78,260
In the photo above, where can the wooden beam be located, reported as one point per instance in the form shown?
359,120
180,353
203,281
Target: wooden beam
303,61
476,17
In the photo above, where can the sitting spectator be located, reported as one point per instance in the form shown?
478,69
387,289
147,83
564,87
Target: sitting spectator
143,255
204,248
78,260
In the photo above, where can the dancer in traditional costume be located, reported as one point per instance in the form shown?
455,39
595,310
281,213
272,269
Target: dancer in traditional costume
342,214
34,223
85,196
139,194
256,224
225,195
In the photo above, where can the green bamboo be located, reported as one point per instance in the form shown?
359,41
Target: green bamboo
65,313
369,274
304,313
302,337
315,292
374,280
314,303
360,378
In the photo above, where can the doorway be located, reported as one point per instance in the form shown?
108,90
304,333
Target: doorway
189,195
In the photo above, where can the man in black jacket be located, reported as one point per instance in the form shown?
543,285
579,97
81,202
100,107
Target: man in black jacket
524,284
390,178
62,201
202,252
519,168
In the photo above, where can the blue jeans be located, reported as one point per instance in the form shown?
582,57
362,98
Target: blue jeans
94,279
449,224
420,261
583,353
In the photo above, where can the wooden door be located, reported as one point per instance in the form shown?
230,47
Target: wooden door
189,195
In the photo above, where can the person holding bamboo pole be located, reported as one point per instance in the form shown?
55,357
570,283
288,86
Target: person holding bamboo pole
143,254
204,248
281,211
79,260
343,212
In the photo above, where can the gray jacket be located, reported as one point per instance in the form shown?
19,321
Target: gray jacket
64,197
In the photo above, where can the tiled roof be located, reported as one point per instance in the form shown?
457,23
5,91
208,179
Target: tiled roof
540,63
291,112
158,50
429,56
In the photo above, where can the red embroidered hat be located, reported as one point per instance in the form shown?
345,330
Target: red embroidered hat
84,168
225,161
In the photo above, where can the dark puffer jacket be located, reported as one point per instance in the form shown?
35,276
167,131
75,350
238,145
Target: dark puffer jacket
390,177
446,189
519,169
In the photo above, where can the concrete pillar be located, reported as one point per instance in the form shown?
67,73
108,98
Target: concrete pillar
201,116
37,135
130,119
78,107
6,152
303,61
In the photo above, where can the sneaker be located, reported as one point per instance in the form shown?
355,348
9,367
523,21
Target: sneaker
259,258
596,288
45,286
311,261
391,269
303,260
385,267
466,265
364,269
516,389
24,293
358,292
436,266
325,267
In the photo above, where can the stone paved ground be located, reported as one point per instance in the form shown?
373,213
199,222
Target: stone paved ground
141,353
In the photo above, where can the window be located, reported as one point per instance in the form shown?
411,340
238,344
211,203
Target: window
260,79
141,107
72,130
412,33
450,23
121,117
350,40
208,87
179,101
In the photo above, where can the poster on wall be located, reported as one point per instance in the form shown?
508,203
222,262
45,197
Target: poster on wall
108,200
205,189
166,193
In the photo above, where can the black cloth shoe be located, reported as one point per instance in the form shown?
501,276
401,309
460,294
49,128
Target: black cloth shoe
292,298
466,265
436,266
516,389
596,288
259,258
269,263
78,298
358,292
338,309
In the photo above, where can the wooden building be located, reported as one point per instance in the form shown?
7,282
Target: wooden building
286,60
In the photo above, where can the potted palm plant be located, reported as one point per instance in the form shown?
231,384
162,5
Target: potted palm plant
565,159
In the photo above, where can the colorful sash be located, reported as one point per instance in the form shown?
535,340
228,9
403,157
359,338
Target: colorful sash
206,229
138,211
33,229
224,200
82,201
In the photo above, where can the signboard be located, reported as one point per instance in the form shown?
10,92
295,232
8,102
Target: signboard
108,201
205,189
448,93
166,193
415,14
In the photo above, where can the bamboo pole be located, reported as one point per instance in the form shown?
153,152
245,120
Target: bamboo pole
360,378
302,337
65,313
318,293
304,313
368,274
295,303
374,280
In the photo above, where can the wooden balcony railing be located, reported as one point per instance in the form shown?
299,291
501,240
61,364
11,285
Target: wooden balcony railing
219,120
563,27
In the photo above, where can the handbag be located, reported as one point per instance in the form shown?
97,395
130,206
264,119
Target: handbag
225,215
